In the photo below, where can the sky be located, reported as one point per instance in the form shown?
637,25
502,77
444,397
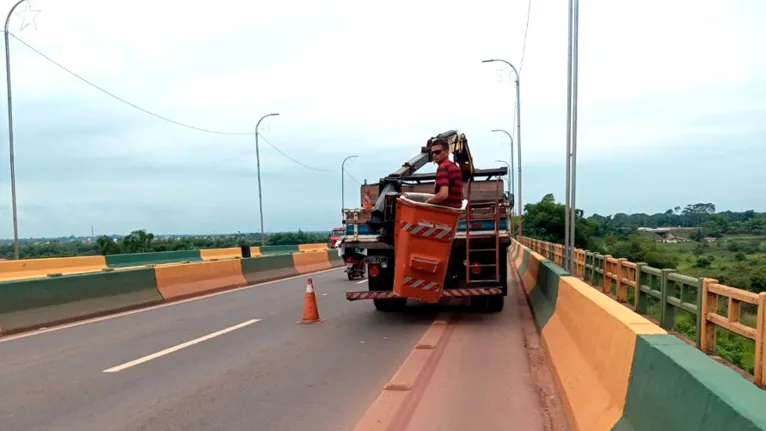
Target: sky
671,106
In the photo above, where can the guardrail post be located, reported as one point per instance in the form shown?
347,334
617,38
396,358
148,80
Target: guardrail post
598,260
709,304
759,364
562,258
552,251
641,303
700,314
607,286
594,267
668,311
622,289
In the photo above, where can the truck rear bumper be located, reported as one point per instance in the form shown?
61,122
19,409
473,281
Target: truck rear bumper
446,293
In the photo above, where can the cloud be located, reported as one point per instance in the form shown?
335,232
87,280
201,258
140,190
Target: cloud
671,106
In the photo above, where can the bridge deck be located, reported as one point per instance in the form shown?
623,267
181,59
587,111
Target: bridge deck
268,370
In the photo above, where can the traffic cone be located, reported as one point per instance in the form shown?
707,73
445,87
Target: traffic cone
310,311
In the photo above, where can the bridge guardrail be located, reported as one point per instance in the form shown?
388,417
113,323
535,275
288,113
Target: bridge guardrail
34,303
700,297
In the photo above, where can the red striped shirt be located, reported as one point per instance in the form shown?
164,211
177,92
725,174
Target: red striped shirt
449,175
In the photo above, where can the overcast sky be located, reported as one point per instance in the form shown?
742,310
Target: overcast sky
672,106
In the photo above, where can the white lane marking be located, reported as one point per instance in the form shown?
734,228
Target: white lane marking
170,350
154,307
363,281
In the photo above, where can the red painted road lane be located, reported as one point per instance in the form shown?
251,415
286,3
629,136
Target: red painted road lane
483,372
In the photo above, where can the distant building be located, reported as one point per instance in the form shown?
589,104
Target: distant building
669,238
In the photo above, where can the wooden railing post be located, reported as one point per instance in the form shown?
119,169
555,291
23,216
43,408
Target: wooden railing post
641,297
607,287
668,311
759,364
622,289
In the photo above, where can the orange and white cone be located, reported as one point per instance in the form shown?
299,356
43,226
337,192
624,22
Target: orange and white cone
310,311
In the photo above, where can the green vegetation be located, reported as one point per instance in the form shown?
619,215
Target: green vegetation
140,241
727,246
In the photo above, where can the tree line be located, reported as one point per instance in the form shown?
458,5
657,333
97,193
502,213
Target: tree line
701,216
617,235
141,241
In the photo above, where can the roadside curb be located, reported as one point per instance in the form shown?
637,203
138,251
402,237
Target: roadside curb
399,398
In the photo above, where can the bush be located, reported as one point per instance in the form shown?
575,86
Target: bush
739,257
758,279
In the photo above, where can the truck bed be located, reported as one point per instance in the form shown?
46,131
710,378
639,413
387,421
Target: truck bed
360,236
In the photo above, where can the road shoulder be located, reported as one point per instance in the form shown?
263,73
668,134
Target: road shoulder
478,371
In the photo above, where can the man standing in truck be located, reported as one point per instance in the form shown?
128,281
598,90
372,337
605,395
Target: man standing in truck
448,188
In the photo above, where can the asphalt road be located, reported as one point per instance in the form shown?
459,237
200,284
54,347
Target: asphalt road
269,373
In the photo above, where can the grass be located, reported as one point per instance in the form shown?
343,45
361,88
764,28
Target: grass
723,265
724,260
733,348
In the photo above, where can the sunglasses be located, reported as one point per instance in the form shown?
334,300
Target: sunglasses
436,152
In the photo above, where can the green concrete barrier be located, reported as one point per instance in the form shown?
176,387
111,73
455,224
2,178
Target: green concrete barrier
335,260
279,249
30,304
617,370
674,386
267,268
137,259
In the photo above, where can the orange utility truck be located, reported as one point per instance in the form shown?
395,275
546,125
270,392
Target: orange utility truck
425,252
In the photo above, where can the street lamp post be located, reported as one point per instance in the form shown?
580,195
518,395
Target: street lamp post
570,207
343,183
510,174
258,164
10,132
518,132
509,171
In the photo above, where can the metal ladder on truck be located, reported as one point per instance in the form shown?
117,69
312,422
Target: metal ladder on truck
472,212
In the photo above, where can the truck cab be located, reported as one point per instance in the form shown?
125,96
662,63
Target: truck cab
335,235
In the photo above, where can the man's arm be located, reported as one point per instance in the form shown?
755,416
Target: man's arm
442,183
439,197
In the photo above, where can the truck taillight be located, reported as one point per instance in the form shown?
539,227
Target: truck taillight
475,268
374,270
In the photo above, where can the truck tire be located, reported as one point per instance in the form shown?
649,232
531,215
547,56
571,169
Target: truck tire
478,304
487,304
395,304
495,303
